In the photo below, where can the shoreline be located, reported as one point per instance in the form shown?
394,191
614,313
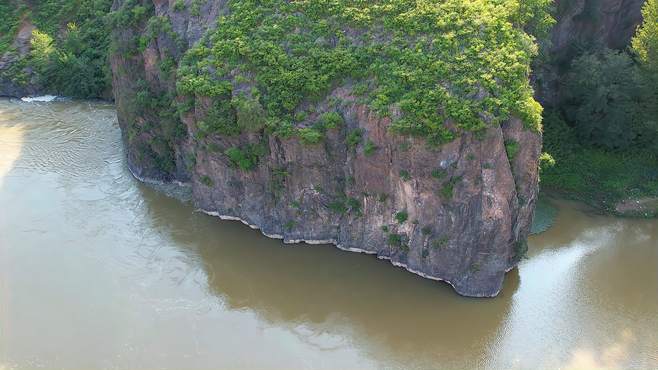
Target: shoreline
166,188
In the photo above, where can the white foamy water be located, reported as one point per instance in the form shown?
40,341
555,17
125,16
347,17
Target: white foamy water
42,98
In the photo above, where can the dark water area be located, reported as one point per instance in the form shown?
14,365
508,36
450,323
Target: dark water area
98,271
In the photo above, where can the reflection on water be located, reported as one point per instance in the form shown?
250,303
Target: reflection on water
98,271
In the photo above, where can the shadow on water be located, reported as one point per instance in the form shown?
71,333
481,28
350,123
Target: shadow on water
290,285
386,312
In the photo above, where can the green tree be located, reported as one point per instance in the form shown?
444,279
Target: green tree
645,42
603,101
645,46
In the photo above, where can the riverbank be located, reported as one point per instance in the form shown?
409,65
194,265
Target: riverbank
621,183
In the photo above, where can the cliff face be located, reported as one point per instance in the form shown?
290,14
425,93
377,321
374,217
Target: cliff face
460,212
467,235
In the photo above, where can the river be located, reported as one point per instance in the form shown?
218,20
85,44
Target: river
98,271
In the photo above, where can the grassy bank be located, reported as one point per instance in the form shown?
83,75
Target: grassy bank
600,177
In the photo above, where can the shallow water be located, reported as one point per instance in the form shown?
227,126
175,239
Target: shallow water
98,271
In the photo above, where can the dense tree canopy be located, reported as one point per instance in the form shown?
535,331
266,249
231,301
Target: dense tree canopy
603,99
69,45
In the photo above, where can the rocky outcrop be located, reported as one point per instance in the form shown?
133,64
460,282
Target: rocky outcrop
459,213
465,235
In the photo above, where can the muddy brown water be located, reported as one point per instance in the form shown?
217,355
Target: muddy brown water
98,271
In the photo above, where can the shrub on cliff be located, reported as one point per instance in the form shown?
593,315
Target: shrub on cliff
247,157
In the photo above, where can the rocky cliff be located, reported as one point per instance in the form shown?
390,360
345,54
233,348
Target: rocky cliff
458,212
446,191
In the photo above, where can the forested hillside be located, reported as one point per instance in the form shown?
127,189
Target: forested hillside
602,130
67,49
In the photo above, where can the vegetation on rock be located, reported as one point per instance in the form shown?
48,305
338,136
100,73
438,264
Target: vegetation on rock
460,61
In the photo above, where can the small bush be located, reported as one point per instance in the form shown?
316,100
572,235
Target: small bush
179,5
546,161
354,138
401,216
278,179
207,181
447,191
426,230
369,148
439,173
246,158
331,120
220,119
394,240
249,113
512,148
440,243
354,205
425,253
404,175
338,206
309,136
195,10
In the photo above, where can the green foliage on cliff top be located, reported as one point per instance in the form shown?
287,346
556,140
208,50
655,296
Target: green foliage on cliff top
433,61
